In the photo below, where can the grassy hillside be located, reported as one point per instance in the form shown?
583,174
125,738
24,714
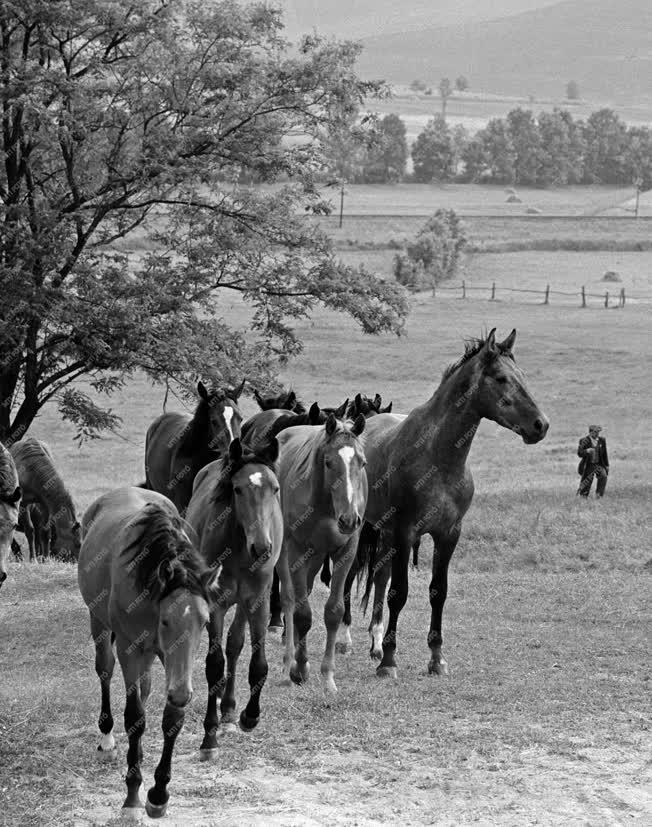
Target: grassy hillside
603,45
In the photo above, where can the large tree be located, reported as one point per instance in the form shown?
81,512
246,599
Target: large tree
433,153
386,159
120,117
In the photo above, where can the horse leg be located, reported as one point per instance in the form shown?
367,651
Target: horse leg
415,552
28,527
234,643
133,666
215,680
104,665
158,796
302,621
381,576
444,548
396,599
344,643
287,600
275,606
334,611
256,611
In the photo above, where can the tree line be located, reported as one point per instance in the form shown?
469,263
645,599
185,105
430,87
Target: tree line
551,149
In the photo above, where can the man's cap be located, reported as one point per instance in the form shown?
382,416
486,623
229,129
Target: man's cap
595,427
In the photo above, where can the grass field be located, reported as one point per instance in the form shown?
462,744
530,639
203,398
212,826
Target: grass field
544,718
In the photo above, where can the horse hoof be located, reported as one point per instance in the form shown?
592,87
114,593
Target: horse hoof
247,723
299,677
376,654
387,672
105,756
131,813
208,753
440,668
155,810
342,648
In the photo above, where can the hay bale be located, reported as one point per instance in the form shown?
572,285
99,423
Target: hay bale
611,275
513,199
533,211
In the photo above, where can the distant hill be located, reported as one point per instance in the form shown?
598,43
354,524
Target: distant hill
604,45
364,18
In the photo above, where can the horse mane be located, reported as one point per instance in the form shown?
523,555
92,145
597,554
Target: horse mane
472,346
37,461
223,490
162,539
8,473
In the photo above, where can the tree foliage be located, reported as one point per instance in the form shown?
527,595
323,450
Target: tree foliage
434,254
121,116
385,161
433,153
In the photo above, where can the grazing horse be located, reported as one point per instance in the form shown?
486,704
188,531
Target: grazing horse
10,494
42,486
177,446
236,515
323,497
419,482
286,400
147,591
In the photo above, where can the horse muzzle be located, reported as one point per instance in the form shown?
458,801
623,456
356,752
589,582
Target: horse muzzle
537,432
349,524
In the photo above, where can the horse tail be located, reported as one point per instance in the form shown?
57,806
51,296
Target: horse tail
365,561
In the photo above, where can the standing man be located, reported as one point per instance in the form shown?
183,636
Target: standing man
594,462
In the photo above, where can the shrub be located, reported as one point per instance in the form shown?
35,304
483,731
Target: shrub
434,254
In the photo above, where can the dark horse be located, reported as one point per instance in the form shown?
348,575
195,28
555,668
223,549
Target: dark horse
147,591
236,514
323,496
419,482
177,446
10,494
366,406
286,401
262,426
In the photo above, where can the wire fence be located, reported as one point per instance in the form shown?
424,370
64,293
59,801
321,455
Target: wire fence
608,299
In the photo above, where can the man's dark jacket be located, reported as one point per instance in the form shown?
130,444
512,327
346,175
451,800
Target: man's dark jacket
583,451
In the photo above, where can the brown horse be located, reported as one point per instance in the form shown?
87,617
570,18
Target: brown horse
286,400
236,515
177,446
419,482
147,591
323,496
10,494
42,485
262,426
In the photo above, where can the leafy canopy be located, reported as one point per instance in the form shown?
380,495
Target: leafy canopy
123,117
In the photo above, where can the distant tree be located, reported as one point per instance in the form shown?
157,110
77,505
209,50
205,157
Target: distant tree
561,156
386,160
606,148
445,91
572,90
418,85
474,159
461,83
638,157
434,254
459,138
498,151
526,141
433,153
576,158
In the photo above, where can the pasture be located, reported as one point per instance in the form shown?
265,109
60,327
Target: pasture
545,715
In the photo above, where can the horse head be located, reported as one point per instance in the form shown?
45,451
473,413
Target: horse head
222,413
9,506
344,476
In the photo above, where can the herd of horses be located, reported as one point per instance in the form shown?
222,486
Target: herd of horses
247,513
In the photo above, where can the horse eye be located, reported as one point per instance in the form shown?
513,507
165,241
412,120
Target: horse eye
237,489
164,624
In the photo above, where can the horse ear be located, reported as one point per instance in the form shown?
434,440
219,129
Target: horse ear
259,399
314,414
235,393
331,423
270,452
490,343
358,425
341,411
358,401
388,409
201,390
235,450
15,497
290,400
378,401
508,344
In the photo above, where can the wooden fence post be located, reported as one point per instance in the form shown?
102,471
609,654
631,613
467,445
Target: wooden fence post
463,289
546,299
583,297
606,298
622,296
493,291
